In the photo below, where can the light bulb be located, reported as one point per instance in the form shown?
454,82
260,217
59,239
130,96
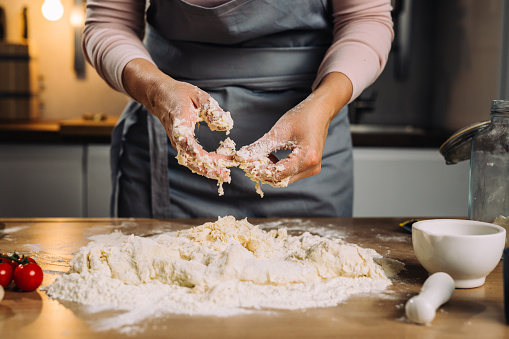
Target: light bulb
77,17
52,9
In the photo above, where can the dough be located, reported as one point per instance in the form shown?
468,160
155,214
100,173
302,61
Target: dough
206,256
252,170
214,117
255,171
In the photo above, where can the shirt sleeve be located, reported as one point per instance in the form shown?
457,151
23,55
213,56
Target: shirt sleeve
113,36
362,36
362,33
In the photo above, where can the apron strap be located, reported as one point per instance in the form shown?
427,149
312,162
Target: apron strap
115,154
159,183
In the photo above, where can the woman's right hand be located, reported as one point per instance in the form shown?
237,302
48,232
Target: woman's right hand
177,105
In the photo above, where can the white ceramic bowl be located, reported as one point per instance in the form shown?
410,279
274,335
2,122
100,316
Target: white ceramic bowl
467,250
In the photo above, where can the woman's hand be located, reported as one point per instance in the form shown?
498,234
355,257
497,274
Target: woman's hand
179,106
303,130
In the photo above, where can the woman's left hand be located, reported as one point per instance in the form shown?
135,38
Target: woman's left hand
303,130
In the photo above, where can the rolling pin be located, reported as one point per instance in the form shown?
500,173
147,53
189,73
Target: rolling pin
436,291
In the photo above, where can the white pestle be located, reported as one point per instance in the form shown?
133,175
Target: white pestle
436,291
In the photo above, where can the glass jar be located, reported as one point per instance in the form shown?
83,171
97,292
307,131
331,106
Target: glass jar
489,167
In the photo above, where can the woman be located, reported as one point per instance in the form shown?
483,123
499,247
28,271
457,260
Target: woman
285,69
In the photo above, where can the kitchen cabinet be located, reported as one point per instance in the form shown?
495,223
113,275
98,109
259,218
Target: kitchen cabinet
57,180
98,186
54,180
408,182
38,180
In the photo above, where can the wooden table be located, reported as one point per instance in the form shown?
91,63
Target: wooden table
471,313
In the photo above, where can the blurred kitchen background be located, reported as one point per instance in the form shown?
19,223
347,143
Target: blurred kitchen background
448,62
63,83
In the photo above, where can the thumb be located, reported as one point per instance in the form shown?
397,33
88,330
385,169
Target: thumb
262,149
258,149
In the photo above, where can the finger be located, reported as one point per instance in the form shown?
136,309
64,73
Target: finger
216,173
184,123
215,117
270,172
208,110
192,148
300,164
199,97
193,156
292,168
206,168
262,148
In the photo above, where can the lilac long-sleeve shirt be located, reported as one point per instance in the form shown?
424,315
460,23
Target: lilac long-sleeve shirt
362,38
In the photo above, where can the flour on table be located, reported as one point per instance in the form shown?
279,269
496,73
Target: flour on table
221,268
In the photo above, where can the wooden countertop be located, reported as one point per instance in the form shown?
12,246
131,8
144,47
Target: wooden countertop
81,130
69,130
471,313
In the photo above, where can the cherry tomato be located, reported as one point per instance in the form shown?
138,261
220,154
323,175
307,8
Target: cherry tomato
9,261
28,277
13,263
30,259
24,259
5,274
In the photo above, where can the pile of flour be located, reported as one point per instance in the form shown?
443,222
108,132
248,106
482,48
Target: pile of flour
222,268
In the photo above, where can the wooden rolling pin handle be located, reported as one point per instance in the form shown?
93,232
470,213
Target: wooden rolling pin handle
436,291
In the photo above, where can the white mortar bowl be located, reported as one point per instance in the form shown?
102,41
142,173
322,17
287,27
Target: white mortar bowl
467,250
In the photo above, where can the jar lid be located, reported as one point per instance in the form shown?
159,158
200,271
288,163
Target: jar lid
457,147
500,106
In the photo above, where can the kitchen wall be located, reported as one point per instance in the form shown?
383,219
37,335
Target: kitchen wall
445,66
62,94
467,59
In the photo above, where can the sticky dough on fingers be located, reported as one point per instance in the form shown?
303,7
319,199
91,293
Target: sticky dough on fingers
216,120
258,170
215,117
262,168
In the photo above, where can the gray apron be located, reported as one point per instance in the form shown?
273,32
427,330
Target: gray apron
258,59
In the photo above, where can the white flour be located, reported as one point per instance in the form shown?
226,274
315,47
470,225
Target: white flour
4,233
224,268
